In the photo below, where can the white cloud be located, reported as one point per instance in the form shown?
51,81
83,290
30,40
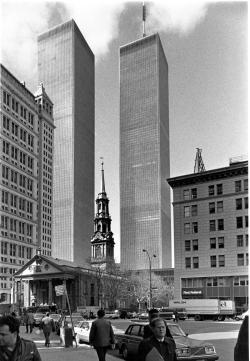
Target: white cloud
22,21
178,16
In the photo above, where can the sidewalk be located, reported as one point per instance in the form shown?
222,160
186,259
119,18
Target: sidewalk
57,352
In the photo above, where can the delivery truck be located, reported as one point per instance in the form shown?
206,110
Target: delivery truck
202,309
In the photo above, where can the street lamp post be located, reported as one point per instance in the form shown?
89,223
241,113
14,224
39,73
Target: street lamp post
150,276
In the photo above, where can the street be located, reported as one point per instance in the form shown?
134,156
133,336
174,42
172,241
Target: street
223,335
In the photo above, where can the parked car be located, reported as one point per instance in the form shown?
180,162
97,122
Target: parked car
38,318
111,315
143,316
187,349
66,320
82,330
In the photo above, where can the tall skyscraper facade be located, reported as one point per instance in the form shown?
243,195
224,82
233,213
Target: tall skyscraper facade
144,154
66,67
25,181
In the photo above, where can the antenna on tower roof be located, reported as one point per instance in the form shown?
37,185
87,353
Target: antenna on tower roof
143,19
199,165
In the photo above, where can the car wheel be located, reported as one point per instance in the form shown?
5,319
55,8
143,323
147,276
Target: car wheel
197,318
125,352
221,318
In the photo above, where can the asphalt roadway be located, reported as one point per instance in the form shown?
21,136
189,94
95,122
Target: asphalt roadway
222,334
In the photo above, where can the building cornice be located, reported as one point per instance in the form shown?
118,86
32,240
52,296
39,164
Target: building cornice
235,169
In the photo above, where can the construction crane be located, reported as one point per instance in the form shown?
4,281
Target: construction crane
199,165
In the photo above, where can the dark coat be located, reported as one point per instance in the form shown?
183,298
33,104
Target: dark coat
166,348
47,324
25,350
101,333
241,350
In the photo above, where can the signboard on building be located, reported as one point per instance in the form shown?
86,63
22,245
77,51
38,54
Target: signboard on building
192,293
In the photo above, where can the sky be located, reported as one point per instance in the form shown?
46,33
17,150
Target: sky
206,48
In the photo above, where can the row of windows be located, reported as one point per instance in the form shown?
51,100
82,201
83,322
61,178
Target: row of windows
18,133
216,261
6,270
215,225
25,184
13,225
15,250
12,200
214,282
19,109
215,207
193,245
215,189
18,157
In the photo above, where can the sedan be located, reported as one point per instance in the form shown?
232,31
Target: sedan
82,329
186,348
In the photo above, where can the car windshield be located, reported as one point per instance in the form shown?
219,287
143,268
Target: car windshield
39,315
176,330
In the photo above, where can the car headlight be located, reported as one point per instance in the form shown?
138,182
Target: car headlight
183,351
209,349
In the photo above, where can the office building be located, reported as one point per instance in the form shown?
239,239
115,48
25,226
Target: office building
20,151
45,170
144,154
66,68
211,234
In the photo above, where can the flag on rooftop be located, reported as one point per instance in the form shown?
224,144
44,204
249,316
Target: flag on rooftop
60,290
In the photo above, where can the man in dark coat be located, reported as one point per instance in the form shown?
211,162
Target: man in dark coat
13,347
101,335
241,349
158,346
152,314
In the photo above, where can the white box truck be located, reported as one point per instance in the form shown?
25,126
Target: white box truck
202,309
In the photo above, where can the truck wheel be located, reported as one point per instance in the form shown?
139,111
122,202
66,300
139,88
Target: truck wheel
221,318
197,318
125,352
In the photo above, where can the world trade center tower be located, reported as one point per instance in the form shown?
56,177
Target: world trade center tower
144,155
66,67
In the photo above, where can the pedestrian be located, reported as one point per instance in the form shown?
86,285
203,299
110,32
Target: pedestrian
241,349
12,346
152,314
47,326
101,335
158,346
29,321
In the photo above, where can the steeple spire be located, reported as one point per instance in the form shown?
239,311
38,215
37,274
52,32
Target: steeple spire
103,181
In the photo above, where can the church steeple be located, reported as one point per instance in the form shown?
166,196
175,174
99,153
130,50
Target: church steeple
102,242
103,181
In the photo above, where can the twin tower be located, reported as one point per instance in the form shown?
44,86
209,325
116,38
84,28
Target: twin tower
66,67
